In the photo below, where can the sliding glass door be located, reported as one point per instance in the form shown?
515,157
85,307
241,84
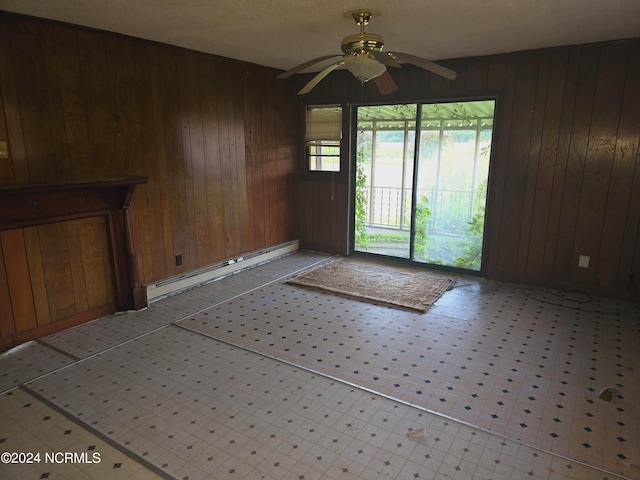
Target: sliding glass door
421,181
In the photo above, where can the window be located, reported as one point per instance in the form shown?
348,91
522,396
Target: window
322,138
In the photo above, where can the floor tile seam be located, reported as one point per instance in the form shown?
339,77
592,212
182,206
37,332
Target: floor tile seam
412,405
114,444
50,347
253,289
154,330
93,355
61,351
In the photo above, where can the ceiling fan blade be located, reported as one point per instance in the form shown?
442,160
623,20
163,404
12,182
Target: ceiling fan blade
426,64
386,59
385,83
304,65
318,78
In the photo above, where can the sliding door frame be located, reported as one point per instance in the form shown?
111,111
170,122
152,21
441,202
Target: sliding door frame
490,202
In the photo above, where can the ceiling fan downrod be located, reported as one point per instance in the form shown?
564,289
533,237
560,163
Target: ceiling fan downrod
362,43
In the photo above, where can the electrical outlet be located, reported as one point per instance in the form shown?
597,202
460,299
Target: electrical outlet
583,261
178,260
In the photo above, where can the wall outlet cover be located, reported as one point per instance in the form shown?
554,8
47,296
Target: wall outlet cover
583,261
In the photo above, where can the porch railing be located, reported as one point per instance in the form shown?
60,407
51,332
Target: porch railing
390,207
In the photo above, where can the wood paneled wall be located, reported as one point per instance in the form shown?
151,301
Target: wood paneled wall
45,284
565,170
215,136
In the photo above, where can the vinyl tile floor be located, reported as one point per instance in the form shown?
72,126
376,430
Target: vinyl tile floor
250,377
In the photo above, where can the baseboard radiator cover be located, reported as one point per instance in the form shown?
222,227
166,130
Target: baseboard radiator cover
179,283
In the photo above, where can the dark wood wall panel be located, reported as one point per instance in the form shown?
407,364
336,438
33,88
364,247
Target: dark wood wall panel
547,166
575,162
323,216
270,125
512,243
7,324
599,160
18,280
623,204
52,275
216,138
565,172
254,126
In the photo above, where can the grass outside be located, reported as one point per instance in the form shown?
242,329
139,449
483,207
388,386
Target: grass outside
439,249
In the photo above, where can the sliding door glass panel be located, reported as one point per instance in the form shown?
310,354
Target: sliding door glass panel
385,147
442,222
453,167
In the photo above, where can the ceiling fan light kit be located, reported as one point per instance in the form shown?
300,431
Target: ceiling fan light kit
365,59
364,68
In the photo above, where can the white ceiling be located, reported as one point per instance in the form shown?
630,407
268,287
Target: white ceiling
284,33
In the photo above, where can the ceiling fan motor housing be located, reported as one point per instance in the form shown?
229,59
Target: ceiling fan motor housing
361,43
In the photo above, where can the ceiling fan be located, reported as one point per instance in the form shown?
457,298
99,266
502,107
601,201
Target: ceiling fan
364,58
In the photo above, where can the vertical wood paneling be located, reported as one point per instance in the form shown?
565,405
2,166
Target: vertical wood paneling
229,110
477,74
256,155
217,162
414,83
102,239
57,270
564,142
63,65
172,137
503,73
38,280
548,165
186,164
517,160
93,245
39,163
7,319
607,104
163,191
98,107
15,169
6,169
122,81
531,192
578,142
147,211
270,168
286,164
267,167
238,149
196,174
17,274
52,273
623,202
54,99
497,73
250,134
76,244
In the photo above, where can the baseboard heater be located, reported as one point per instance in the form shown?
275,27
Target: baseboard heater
157,291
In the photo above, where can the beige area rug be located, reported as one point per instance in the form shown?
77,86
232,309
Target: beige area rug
403,287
